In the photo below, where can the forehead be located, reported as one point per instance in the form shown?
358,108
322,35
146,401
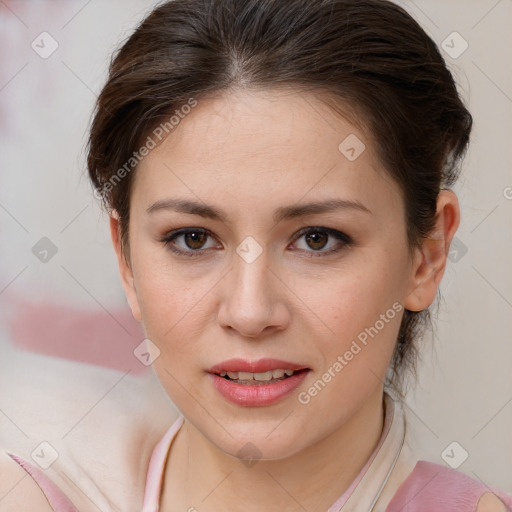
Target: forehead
264,145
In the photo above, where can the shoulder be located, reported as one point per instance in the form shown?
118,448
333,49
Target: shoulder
18,489
443,488
105,455
489,502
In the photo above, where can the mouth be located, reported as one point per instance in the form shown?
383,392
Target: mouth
257,389
257,383
260,378
265,370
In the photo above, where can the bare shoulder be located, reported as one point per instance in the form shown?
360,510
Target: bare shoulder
18,491
489,502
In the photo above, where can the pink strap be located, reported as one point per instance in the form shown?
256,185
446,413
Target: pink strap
432,486
156,467
56,498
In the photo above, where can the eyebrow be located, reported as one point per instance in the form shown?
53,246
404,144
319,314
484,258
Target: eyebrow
280,214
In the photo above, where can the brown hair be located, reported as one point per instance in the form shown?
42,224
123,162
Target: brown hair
370,55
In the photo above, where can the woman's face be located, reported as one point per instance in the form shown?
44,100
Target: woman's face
260,283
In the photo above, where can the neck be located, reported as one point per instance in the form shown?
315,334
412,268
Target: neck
199,474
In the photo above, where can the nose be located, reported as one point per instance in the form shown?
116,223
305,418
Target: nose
253,298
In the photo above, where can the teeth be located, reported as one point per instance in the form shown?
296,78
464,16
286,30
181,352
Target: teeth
277,374
261,377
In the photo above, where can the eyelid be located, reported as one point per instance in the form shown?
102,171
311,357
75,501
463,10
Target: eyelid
331,231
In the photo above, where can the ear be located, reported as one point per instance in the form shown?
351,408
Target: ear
430,260
125,270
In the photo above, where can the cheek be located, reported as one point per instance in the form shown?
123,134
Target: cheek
362,309
355,360
361,290
173,305
173,316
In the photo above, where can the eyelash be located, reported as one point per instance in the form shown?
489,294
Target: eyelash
342,237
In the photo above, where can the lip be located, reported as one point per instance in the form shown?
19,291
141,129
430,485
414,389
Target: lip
257,395
259,366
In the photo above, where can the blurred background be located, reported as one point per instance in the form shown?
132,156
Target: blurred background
63,314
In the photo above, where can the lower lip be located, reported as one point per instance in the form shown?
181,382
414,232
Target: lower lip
254,395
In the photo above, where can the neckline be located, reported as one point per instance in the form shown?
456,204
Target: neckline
367,487
362,494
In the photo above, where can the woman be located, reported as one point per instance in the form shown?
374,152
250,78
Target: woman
277,175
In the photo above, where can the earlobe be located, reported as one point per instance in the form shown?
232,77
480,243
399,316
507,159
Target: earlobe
125,270
430,259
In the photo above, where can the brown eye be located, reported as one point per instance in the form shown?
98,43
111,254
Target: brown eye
317,240
193,241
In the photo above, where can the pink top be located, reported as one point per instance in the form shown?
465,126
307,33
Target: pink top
56,498
385,483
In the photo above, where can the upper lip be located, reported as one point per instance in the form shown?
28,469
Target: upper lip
259,366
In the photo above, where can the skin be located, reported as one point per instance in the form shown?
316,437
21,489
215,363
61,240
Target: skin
249,153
